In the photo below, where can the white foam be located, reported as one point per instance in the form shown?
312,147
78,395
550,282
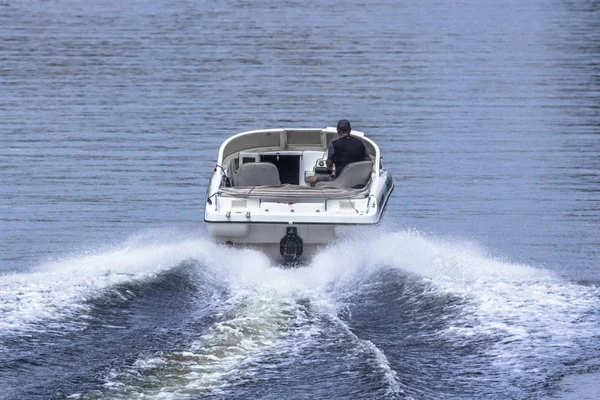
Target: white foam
264,314
376,357
529,314
522,309
253,322
60,289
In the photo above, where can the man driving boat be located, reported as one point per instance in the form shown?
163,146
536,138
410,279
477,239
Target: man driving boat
344,150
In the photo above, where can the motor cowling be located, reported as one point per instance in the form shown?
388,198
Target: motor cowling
291,245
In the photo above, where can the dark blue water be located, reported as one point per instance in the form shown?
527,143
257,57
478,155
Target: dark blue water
481,283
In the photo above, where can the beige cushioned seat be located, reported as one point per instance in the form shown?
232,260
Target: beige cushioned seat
257,173
356,173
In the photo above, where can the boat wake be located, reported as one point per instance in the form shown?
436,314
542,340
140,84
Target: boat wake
374,310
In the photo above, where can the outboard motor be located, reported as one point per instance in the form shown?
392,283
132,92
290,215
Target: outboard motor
291,245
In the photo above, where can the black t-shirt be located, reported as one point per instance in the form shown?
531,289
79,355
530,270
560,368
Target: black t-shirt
346,150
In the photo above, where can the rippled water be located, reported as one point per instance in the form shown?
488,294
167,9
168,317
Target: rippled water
481,283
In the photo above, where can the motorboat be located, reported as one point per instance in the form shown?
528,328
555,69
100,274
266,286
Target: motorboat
260,192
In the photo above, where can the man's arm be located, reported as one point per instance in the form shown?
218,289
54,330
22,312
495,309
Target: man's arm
330,152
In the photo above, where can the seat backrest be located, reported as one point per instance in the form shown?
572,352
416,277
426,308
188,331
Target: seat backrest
355,174
257,173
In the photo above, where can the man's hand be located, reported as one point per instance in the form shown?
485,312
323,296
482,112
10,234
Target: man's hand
329,165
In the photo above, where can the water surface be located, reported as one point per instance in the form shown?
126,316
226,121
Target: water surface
481,283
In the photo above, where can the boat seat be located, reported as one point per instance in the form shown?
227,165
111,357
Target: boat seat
234,164
356,174
256,174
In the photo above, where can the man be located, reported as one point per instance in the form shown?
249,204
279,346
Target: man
344,150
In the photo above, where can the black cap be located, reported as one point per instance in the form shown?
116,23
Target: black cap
344,125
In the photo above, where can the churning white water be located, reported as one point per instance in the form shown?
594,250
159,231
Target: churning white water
526,320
